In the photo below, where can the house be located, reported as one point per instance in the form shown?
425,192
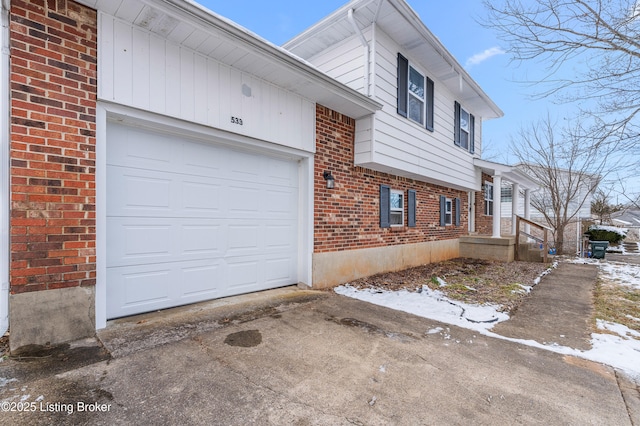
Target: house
162,155
422,148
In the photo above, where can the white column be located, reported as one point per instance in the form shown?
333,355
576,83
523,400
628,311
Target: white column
515,201
527,209
497,200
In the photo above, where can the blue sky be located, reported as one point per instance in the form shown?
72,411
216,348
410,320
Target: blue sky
475,47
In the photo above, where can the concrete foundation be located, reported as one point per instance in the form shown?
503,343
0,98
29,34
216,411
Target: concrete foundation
335,268
50,317
488,248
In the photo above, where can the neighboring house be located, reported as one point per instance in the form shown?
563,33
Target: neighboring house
581,187
630,219
162,155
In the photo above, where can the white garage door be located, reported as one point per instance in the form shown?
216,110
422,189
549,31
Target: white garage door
190,221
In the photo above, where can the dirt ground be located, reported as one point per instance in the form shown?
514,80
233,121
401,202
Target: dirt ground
468,280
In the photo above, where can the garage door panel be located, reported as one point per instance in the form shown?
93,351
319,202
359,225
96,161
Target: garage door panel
137,190
201,160
280,204
138,240
202,240
279,237
194,222
242,274
279,271
243,240
202,196
137,148
135,242
138,289
199,281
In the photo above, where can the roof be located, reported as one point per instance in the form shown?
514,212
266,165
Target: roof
398,20
629,217
193,26
510,173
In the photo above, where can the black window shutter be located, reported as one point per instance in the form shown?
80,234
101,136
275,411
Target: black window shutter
472,131
443,210
456,127
403,84
457,211
411,196
385,206
430,95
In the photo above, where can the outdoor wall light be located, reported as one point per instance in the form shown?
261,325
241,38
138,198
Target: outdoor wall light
331,182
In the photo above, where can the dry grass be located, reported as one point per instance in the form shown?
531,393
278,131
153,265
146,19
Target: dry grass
468,280
616,303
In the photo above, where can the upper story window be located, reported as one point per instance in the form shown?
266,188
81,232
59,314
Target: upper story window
464,131
415,94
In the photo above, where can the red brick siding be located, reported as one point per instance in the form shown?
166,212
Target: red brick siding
348,216
53,108
484,223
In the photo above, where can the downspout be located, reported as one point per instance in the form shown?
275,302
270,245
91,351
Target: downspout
367,53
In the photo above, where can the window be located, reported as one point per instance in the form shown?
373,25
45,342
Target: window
449,211
396,215
392,207
488,199
464,131
506,194
415,94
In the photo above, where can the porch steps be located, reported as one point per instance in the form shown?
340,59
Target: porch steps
631,247
531,252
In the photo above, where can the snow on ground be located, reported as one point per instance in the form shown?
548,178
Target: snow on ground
620,351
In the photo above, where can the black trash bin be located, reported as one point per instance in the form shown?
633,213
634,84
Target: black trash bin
598,249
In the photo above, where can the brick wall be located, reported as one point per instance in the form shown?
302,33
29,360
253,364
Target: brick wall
348,216
484,223
53,107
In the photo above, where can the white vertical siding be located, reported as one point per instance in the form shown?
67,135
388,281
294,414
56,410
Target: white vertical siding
143,70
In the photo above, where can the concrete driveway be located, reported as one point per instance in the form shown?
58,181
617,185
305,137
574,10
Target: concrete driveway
308,358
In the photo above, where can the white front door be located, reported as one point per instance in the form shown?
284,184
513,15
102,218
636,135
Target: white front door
189,221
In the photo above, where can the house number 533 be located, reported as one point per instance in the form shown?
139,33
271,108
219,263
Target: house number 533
236,120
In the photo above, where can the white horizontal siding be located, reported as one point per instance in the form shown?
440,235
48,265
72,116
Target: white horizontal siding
399,140
344,62
140,69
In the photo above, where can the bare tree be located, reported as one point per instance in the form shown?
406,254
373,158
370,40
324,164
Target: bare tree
602,207
567,169
590,46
